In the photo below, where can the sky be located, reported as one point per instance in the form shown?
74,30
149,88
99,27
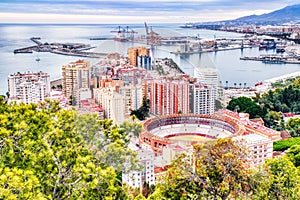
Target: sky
133,11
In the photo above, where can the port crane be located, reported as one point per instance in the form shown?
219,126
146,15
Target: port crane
124,33
151,36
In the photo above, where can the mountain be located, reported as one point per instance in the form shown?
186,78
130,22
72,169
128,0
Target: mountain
289,14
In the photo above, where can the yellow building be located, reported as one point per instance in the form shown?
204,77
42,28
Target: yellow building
134,52
75,76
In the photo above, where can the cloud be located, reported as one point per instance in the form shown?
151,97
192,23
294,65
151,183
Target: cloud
192,10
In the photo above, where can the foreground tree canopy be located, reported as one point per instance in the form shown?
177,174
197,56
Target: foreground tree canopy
219,171
47,153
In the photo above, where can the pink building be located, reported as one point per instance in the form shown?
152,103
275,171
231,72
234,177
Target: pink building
169,96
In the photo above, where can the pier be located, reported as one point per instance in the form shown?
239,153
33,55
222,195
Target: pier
101,38
68,49
274,59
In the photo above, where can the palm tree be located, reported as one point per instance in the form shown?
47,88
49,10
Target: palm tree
245,85
234,85
226,84
240,85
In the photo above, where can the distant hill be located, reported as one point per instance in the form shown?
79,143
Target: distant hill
289,14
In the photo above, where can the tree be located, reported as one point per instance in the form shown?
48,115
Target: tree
285,179
109,142
293,125
245,104
42,156
180,182
294,154
223,165
143,111
218,105
219,172
274,120
259,184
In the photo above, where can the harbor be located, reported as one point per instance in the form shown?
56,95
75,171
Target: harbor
226,60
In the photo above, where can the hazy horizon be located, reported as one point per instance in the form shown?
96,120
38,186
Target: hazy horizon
132,11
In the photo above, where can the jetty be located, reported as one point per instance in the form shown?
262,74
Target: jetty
68,49
274,59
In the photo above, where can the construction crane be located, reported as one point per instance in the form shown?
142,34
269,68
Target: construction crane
151,36
124,34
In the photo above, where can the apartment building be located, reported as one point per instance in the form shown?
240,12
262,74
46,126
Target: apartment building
258,148
169,96
134,53
112,103
75,78
29,87
138,178
202,99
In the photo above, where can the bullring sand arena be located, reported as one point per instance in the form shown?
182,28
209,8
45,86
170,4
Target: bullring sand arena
187,129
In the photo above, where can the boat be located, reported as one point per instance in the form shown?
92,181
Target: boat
258,83
280,49
121,38
267,44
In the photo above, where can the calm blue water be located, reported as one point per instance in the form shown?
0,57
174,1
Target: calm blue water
230,67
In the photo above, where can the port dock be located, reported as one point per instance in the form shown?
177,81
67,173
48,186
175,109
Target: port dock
68,49
274,59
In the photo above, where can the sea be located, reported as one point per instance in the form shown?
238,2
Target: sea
228,64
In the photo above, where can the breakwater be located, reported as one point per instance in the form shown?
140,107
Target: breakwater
68,49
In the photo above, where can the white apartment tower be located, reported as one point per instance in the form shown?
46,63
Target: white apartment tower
29,87
32,91
133,96
202,99
112,103
258,148
209,76
137,178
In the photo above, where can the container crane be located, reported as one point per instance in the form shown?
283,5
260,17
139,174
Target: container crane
151,36
124,34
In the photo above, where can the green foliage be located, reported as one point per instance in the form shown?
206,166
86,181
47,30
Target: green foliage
284,99
223,165
44,156
180,182
132,128
294,154
245,104
293,125
109,142
274,120
219,172
284,178
143,111
259,182
282,145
